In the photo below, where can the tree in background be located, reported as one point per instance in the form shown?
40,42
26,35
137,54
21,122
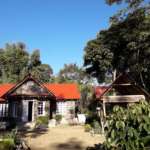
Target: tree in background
13,59
124,46
16,63
71,73
41,71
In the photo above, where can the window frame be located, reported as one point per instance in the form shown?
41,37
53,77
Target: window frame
41,108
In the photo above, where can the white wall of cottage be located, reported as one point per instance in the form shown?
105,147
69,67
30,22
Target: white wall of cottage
64,108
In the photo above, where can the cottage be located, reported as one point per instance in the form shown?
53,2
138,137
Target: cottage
28,99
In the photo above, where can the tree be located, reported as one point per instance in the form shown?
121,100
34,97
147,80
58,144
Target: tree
71,73
132,3
42,72
14,57
127,44
98,59
16,63
35,59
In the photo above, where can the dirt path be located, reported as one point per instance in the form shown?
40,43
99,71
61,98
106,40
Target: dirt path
62,138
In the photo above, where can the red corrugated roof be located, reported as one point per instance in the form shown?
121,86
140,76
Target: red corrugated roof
64,91
99,90
61,91
5,88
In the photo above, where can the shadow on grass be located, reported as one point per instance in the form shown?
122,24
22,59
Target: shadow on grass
96,147
72,144
33,133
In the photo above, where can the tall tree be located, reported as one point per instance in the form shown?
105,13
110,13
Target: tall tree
42,72
35,59
127,44
14,58
15,63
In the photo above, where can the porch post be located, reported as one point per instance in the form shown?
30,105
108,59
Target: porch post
47,108
104,109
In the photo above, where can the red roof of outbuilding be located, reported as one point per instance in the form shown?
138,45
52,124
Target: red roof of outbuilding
99,90
61,91
64,91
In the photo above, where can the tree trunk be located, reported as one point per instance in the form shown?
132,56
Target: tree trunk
114,75
142,81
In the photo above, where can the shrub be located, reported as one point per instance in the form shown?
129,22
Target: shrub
42,120
96,126
87,128
8,140
7,144
129,128
58,118
91,117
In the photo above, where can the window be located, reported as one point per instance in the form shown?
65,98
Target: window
40,108
3,110
62,108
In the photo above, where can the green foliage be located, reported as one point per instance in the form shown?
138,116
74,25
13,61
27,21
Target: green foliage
35,59
58,118
7,144
70,73
97,58
129,128
73,73
124,46
96,126
86,91
87,128
131,3
42,120
16,63
8,141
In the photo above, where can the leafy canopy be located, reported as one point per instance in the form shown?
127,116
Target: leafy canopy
16,63
124,46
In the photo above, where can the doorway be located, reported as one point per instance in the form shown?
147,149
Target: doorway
30,111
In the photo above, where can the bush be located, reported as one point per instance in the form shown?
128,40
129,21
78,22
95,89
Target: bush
58,118
8,140
42,120
91,117
87,128
129,128
7,144
96,126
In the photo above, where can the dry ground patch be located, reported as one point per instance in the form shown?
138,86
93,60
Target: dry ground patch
62,138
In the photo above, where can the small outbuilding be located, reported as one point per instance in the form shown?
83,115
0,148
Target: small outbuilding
122,91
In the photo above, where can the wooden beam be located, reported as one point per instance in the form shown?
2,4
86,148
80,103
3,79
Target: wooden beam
122,98
104,109
124,84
